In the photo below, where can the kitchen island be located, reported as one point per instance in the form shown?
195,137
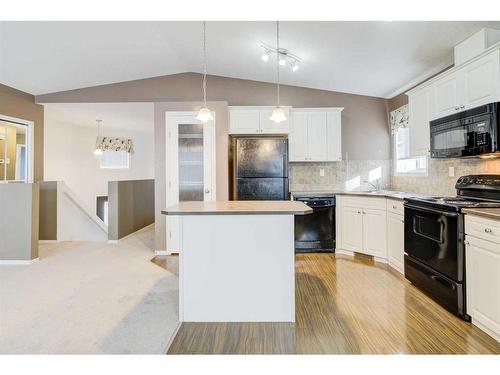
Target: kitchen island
236,260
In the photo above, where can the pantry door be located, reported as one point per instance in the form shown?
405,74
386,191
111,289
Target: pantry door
190,165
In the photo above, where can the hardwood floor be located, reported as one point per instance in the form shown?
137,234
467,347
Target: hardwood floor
344,306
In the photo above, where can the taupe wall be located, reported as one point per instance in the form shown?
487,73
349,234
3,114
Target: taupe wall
19,221
365,133
48,210
19,104
131,207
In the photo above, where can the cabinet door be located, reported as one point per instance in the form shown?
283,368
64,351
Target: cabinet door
446,96
270,127
483,284
351,224
481,81
334,136
419,107
297,140
395,241
317,136
375,233
244,121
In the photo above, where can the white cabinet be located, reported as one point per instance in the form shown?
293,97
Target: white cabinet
419,104
483,277
255,120
361,225
315,135
446,95
481,81
395,240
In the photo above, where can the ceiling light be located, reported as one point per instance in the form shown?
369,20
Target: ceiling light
98,150
295,66
282,61
278,114
204,114
265,56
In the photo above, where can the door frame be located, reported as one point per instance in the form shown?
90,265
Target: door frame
171,174
30,142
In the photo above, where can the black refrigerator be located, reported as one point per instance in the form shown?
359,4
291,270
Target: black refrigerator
259,168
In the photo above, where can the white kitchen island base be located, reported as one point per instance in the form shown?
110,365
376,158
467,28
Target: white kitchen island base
237,266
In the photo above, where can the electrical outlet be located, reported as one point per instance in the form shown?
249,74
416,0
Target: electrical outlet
451,171
322,172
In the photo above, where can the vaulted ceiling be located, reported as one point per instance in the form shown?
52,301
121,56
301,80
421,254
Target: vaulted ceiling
368,58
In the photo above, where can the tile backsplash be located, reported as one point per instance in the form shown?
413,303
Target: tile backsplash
341,175
438,182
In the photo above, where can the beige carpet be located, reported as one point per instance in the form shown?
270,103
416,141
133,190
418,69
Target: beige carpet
91,298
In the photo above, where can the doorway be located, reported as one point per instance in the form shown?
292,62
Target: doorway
16,150
190,165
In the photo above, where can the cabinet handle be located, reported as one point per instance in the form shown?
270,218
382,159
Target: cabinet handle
457,108
394,207
364,212
403,221
487,230
462,106
467,243
359,212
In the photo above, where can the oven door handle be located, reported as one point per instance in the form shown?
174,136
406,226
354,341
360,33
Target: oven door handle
427,209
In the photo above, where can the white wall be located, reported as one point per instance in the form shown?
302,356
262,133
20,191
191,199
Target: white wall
69,143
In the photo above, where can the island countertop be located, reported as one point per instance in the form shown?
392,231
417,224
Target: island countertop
238,208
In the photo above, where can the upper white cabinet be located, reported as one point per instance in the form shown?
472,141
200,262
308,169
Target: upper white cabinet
315,134
419,117
469,85
255,120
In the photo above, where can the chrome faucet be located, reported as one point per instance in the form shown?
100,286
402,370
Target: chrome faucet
377,187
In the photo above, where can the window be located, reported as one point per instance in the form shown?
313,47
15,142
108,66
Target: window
115,159
404,164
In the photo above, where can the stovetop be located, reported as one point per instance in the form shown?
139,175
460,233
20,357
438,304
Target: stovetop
453,203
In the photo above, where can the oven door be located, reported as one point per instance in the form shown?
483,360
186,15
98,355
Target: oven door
435,238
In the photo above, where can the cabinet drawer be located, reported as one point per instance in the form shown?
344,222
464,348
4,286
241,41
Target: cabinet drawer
377,203
395,206
483,228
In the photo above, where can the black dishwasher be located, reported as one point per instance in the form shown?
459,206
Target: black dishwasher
316,232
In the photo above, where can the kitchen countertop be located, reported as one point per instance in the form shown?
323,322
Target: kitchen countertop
491,213
239,208
400,195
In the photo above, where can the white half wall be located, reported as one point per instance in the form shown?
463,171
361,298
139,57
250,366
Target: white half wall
69,140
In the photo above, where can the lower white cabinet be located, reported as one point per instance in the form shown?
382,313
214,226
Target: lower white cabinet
361,225
483,273
395,240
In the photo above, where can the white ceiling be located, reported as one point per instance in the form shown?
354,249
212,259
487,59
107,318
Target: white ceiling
114,116
369,58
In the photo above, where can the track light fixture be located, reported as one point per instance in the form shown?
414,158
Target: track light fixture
284,56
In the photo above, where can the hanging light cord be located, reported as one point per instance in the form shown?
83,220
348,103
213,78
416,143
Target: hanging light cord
278,63
205,63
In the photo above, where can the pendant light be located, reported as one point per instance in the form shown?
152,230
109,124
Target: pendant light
204,114
98,150
278,114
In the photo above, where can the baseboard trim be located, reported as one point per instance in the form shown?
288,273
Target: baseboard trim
18,262
344,252
113,241
173,337
161,252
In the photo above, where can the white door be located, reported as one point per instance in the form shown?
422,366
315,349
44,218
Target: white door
351,226
317,136
446,96
481,81
190,164
334,136
483,283
243,121
395,240
419,106
375,233
298,137
268,126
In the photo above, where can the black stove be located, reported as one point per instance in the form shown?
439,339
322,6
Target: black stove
435,236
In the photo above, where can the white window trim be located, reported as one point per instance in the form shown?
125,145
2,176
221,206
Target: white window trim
407,174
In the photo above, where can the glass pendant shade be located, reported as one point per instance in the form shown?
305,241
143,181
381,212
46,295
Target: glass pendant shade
278,115
204,115
98,152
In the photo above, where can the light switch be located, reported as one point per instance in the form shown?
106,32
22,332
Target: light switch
322,172
451,171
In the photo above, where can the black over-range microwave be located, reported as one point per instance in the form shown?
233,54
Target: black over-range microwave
469,133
